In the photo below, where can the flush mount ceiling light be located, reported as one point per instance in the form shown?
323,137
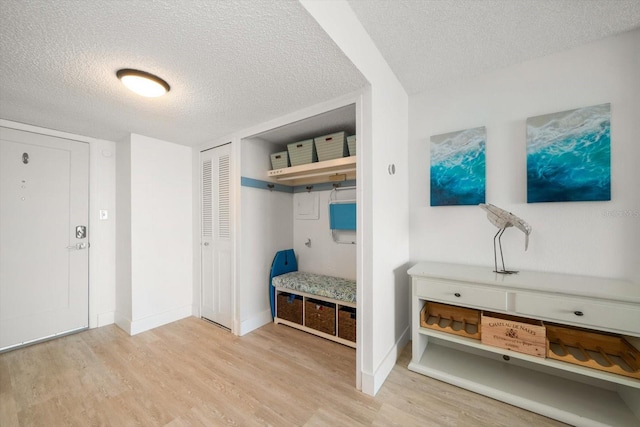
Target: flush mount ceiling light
143,83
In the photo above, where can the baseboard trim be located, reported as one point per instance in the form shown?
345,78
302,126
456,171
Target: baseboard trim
371,383
255,322
150,322
195,311
122,322
104,319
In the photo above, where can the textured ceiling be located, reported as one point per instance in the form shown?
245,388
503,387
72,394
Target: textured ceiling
230,64
233,64
430,43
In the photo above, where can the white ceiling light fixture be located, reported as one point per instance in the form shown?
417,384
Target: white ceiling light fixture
143,83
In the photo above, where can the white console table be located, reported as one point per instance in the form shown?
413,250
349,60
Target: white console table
567,392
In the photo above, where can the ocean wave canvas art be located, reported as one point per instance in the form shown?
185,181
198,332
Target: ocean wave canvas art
569,155
458,167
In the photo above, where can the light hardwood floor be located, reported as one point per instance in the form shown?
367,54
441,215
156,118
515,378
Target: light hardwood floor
192,373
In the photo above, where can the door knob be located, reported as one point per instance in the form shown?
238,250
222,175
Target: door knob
206,243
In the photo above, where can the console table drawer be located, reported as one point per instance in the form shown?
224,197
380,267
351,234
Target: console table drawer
454,293
619,317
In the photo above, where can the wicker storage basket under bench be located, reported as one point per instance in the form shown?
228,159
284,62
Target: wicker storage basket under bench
318,304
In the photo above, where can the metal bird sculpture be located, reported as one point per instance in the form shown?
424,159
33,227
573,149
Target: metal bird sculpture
503,220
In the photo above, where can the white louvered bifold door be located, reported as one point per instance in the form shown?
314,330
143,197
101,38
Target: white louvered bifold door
216,236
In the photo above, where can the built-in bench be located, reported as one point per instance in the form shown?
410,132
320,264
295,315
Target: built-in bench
315,303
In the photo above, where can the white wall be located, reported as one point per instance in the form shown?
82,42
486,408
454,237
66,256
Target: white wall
266,228
160,233
324,256
383,219
102,265
256,157
123,314
591,238
161,224
266,218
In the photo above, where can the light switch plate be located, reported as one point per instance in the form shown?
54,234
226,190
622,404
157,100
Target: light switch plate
104,215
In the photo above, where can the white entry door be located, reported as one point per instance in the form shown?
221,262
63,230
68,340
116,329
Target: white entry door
44,263
217,300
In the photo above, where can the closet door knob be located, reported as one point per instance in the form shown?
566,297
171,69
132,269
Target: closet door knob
578,313
457,294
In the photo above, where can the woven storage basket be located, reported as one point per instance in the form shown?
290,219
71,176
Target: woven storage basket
302,153
347,323
320,315
331,146
280,160
351,144
289,307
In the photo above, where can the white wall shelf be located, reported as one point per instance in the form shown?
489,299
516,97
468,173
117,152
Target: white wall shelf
335,170
570,393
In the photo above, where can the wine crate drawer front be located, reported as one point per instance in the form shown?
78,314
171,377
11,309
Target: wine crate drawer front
605,352
454,293
623,318
514,333
451,319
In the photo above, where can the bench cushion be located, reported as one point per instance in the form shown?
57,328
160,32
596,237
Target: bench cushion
317,284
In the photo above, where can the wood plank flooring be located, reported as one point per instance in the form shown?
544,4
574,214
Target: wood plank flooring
192,373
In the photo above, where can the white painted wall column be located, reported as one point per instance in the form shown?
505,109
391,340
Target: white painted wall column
383,222
155,249
123,313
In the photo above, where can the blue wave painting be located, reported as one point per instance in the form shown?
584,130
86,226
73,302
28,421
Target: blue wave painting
458,168
569,155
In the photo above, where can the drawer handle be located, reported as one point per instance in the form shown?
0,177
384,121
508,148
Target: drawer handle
457,294
578,313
